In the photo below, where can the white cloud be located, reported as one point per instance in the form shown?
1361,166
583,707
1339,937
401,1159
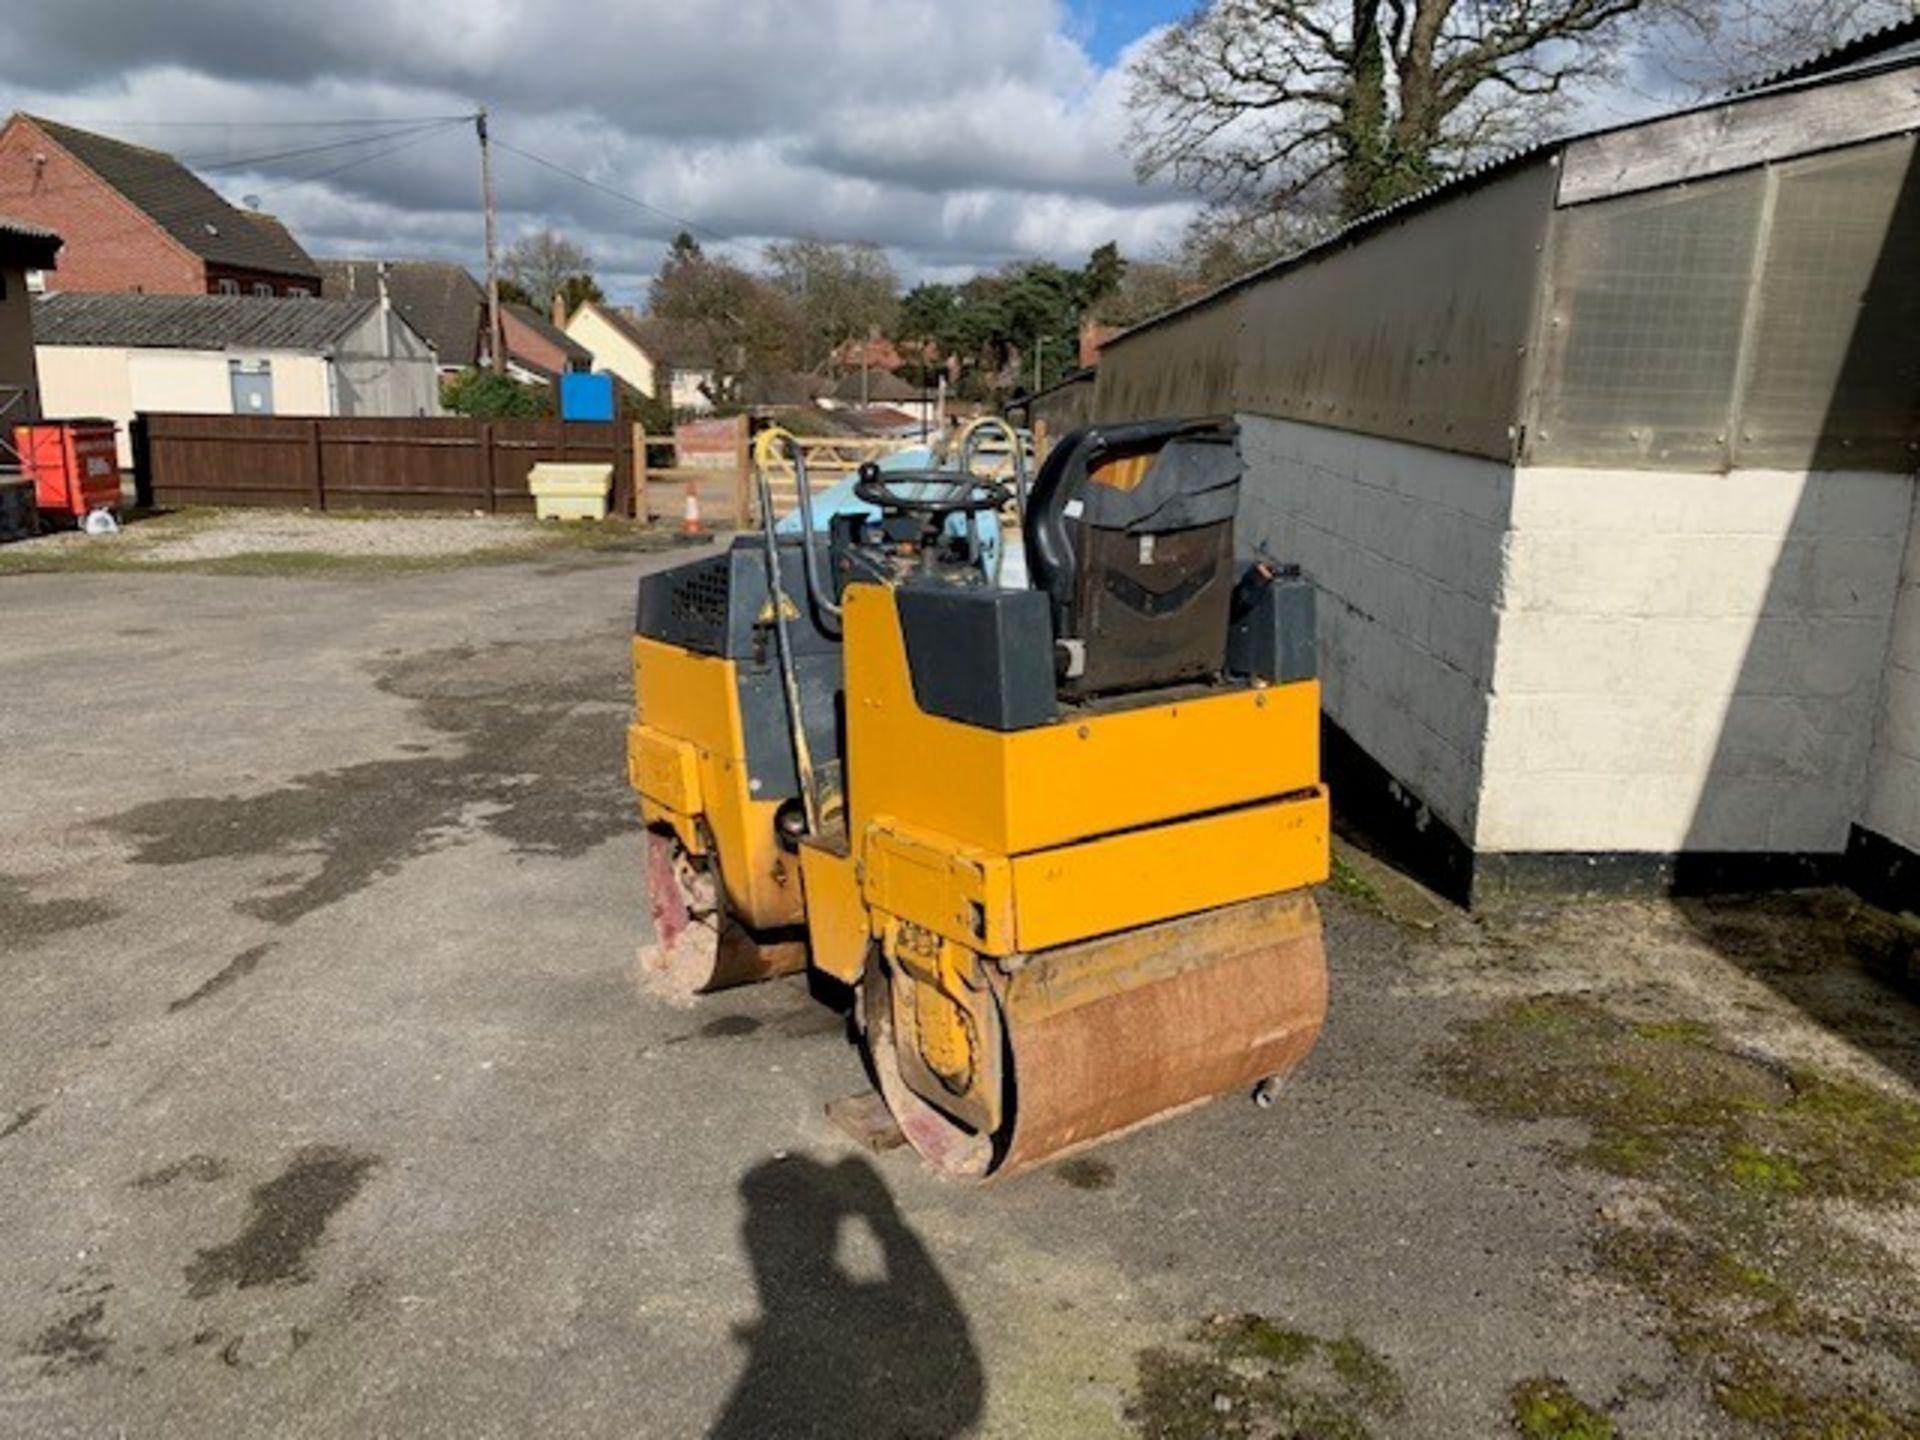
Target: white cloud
958,136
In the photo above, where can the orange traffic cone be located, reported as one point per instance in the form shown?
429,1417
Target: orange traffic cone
690,525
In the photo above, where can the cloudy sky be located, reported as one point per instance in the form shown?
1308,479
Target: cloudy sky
957,133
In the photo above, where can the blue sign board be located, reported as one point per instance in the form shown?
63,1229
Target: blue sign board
586,397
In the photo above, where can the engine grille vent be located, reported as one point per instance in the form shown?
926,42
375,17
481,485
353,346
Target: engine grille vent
700,599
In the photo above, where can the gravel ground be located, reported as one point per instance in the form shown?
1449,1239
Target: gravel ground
240,532
199,536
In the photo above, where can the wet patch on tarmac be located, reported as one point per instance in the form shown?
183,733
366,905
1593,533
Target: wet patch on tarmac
728,1027
289,1218
27,922
1084,1172
75,1342
238,968
204,1169
20,1121
543,768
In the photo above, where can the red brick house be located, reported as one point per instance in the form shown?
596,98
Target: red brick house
136,219
537,349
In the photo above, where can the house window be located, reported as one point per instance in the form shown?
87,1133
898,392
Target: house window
36,282
263,290
226,287
299,292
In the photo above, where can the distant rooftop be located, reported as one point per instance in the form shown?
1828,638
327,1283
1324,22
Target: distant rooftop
184,205
437,297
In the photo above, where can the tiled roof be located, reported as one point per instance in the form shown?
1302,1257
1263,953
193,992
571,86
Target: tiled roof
193,322
184,205
438,298
575,352
881,386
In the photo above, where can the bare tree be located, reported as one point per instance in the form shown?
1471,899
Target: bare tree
1718,45
838,292
545,264
1347,105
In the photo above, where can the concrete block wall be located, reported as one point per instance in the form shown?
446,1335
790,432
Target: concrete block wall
1405,544
1689,662
1892,808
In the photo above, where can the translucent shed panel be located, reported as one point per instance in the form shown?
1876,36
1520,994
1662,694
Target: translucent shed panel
1835,368
1645,312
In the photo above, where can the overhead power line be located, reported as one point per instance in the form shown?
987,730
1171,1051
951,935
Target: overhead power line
241,162
365,120
411,140
608,190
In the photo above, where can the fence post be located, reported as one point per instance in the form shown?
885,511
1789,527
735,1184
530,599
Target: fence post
742,477
314,466
642,508
483,447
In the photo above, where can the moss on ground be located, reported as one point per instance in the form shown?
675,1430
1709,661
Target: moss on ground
1545,1408
1345,881
1791,1321
1245,1376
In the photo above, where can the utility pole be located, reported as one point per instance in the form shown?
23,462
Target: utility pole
1039,344
496,351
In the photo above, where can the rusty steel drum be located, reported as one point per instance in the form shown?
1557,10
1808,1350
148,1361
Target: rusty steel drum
1107,1035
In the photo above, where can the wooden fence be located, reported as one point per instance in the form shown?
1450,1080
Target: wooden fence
295,462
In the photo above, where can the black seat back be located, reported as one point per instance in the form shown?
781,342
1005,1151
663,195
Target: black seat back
1129,530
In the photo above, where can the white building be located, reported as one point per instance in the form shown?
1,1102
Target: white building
114,356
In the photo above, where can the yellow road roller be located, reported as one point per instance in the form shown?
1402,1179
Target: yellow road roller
1056,824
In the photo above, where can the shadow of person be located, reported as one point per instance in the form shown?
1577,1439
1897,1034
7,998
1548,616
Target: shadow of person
858,1332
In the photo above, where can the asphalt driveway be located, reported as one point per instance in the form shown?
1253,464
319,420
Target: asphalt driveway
328,1105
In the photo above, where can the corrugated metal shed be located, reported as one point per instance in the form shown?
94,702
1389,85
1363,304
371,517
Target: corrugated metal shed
1728,286
437,297
194,322
1884,49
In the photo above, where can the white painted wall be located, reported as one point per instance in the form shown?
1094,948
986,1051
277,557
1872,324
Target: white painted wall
117,383
1405,545
686,395
1597,660
1893,783
77,384
1689,662
613,350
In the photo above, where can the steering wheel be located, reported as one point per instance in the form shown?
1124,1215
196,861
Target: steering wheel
952,493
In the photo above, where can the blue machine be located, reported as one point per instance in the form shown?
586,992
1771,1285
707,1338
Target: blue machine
586,397
839,499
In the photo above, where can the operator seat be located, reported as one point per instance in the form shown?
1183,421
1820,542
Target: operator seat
1129,531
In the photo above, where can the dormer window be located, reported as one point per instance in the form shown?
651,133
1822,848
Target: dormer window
226,287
